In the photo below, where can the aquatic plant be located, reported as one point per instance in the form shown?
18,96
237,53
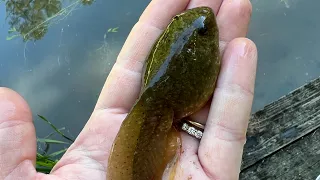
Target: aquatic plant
46,161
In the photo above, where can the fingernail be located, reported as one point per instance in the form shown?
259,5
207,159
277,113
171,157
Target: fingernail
239,65
241,48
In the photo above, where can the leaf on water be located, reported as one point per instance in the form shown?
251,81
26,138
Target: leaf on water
51,141
57,153
44,170
56,129
45,161
45,164
113,30
51,134
12,30
8,38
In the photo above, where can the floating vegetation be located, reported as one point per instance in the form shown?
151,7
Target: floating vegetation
113,30
11,31
45,161
286,3
105,45
31,19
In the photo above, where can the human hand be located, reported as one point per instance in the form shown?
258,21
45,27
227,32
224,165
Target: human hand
216,156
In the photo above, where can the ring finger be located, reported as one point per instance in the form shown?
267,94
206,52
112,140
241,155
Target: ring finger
233,18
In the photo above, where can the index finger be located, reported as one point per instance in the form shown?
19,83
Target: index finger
123,84
225,132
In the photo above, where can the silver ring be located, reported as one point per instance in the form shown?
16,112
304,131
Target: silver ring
193,128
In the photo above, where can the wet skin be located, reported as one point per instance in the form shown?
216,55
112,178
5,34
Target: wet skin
179,77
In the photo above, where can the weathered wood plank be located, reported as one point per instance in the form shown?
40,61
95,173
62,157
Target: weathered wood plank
282,122
298,161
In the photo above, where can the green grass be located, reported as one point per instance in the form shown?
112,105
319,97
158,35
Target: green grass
46,161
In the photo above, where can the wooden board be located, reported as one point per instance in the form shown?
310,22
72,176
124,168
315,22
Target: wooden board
281,123
298,161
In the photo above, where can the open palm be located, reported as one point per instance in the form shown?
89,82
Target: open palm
216,156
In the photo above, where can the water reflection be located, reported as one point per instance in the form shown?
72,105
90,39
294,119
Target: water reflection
30,19
61,74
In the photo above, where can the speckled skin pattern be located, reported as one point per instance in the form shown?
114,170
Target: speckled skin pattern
179,78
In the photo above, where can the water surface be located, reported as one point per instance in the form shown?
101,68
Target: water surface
62,73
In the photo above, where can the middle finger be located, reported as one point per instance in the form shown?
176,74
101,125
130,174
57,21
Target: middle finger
231,26
190,144
233,20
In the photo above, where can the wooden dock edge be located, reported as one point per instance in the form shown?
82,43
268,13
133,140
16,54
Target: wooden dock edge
282,127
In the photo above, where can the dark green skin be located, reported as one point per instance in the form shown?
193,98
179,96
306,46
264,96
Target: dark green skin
179,77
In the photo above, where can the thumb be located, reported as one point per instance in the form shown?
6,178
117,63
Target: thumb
17,137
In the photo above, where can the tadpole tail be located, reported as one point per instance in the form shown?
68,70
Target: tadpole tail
145,144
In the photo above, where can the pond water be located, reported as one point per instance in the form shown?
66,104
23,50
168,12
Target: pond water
61,74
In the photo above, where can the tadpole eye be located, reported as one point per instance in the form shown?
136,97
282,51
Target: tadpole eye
203,30
176,17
